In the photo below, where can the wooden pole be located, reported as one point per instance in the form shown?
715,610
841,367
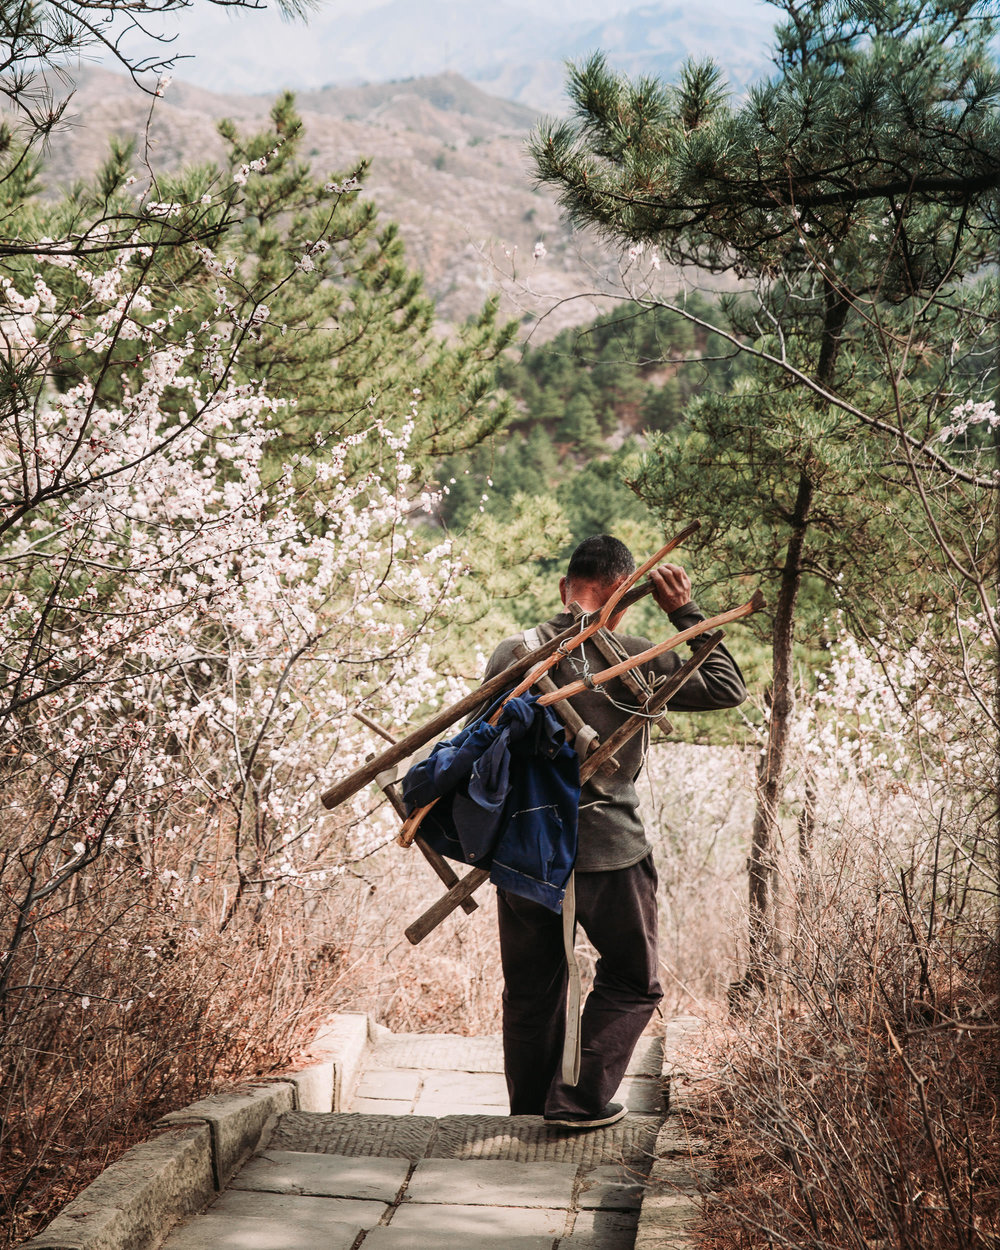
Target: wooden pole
445,905
459,895
656,703
661,648
444,870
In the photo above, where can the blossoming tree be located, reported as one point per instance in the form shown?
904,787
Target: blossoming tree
210,564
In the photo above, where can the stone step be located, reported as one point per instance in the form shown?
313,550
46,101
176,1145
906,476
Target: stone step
583,1190
468,1177
525,1139
440,1075
448,1052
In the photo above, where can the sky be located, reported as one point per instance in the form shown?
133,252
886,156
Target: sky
233,49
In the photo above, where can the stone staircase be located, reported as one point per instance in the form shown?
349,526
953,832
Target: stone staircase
419,1154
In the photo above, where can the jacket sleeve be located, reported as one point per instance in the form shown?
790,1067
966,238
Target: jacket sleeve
717,684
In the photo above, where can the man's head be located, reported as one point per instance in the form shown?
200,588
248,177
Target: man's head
595,568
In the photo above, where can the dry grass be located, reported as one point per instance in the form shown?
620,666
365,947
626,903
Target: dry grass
697,804
449,983
142,997
857,1103
131,1013
128,1001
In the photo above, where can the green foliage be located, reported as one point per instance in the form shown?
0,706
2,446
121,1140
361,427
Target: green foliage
596,499
857,188
855,194
579,424
353,336
301,272
577,399
586,402
873,107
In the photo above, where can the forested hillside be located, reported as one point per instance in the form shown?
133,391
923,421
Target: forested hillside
583,406
445,161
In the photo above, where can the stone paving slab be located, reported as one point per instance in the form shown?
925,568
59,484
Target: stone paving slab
478,1054
667,1223
315,1086
385,1136
450,1180
484,1088
386,1083
676,1140
437,1050
527,1139
383,1106
406,1239
492,1182
523,1138
611,1187
442,1110
160,1180
331,1176
602,1230
237,1120
647,1058
225,1232
641,1093
343,1040
244,1204
673,1174
476,1222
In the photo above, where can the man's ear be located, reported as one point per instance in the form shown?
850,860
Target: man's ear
562,589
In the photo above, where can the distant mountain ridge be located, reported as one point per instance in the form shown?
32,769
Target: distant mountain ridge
449,165
507,50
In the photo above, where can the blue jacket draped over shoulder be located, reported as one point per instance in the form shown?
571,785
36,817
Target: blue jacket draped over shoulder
509,796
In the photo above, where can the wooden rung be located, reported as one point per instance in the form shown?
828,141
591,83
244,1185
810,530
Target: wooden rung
432,917
568,714
437,861
657,701
613,653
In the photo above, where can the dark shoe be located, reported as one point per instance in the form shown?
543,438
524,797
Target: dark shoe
611,1114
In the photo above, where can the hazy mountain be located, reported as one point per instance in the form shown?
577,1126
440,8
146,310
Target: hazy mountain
449,165
512,51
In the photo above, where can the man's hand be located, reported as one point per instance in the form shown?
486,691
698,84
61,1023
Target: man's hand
671,587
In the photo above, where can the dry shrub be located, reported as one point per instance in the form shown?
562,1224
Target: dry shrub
449,982
857,1104
128,998
138,986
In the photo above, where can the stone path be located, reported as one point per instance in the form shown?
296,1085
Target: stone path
424,1157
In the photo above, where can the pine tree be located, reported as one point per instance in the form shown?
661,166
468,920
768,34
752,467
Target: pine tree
855,192
356,323
579,425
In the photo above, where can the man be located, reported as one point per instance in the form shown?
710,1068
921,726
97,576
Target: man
615,883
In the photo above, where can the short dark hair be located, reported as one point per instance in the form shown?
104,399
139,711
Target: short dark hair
601,559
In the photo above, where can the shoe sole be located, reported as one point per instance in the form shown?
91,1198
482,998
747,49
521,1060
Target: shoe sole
603,1122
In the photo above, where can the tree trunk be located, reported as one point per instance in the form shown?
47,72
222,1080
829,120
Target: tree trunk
771,765
781,700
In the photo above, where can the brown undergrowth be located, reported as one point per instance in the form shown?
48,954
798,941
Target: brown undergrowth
138,991
129,1015
855,1102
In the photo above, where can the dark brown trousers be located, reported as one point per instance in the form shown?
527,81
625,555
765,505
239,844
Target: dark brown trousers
617,911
